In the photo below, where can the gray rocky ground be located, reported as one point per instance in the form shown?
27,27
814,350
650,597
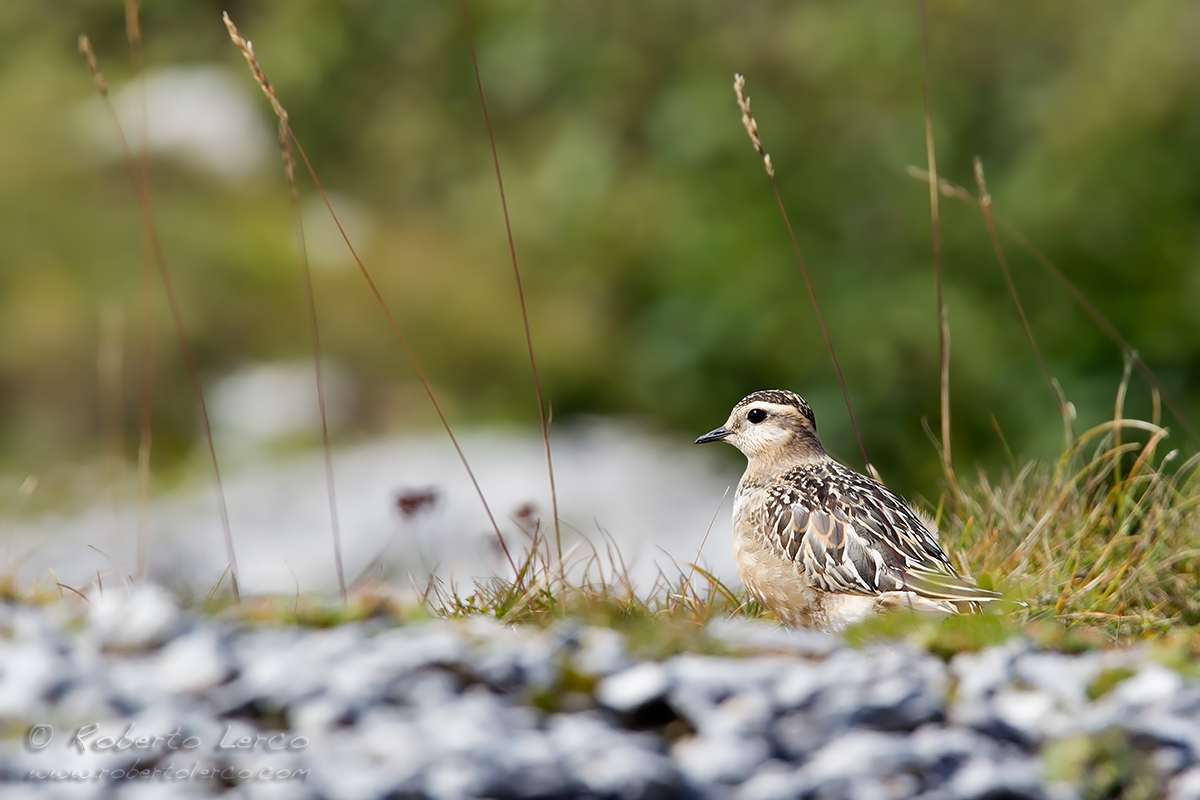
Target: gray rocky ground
132,698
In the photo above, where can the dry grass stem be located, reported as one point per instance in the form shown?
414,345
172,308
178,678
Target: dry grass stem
85,50
133,32
986,206
935,233
957,192
512,250
133,28
748,121
289,170
248,52
155,246
739,88
688,580
110,394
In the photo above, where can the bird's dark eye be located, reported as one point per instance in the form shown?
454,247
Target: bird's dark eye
756,415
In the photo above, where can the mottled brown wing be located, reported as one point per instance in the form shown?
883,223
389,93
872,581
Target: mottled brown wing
853,535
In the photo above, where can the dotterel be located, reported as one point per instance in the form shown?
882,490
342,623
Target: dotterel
818,543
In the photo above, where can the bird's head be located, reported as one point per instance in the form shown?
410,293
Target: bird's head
775,424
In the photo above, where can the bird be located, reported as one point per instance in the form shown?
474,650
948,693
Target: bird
820,545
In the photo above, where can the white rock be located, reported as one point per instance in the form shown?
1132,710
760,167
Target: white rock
528,765
418,645
1032,713
746,713
1153,684
859,753
798,684
634,687
193,663
510,655
474,723
138,618
611,762
1064,677
424,688
980,777
942,750
319,717
776,780
29,672
602,652
700,685
458,777
390,737
281,666
719,759
1186,786
982,673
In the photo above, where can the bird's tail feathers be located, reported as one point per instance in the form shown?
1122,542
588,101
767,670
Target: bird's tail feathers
943,586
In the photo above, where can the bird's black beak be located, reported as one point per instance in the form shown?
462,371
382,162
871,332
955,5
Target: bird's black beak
714,436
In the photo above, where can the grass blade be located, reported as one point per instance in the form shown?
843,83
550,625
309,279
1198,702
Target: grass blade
986,206
935,232
512,250
185,347
957,192
247,51
739,88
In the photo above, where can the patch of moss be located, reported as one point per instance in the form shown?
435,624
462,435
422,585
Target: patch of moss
1108,680
1104,766
320,611
1049,634
1179,650
573,691
943,636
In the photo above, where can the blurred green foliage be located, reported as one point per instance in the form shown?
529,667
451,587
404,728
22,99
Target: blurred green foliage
659,275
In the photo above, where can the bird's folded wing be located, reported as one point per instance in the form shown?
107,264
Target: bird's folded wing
835,554
857,549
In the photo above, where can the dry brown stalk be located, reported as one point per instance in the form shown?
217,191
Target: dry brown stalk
247,51
986,206
185,347
748,121
739,89
133,32
957,192
512,249
935,232
289,170
85,50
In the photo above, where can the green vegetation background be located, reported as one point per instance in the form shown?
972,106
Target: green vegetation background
660,279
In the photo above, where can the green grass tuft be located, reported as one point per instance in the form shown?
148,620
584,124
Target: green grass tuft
1103,539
